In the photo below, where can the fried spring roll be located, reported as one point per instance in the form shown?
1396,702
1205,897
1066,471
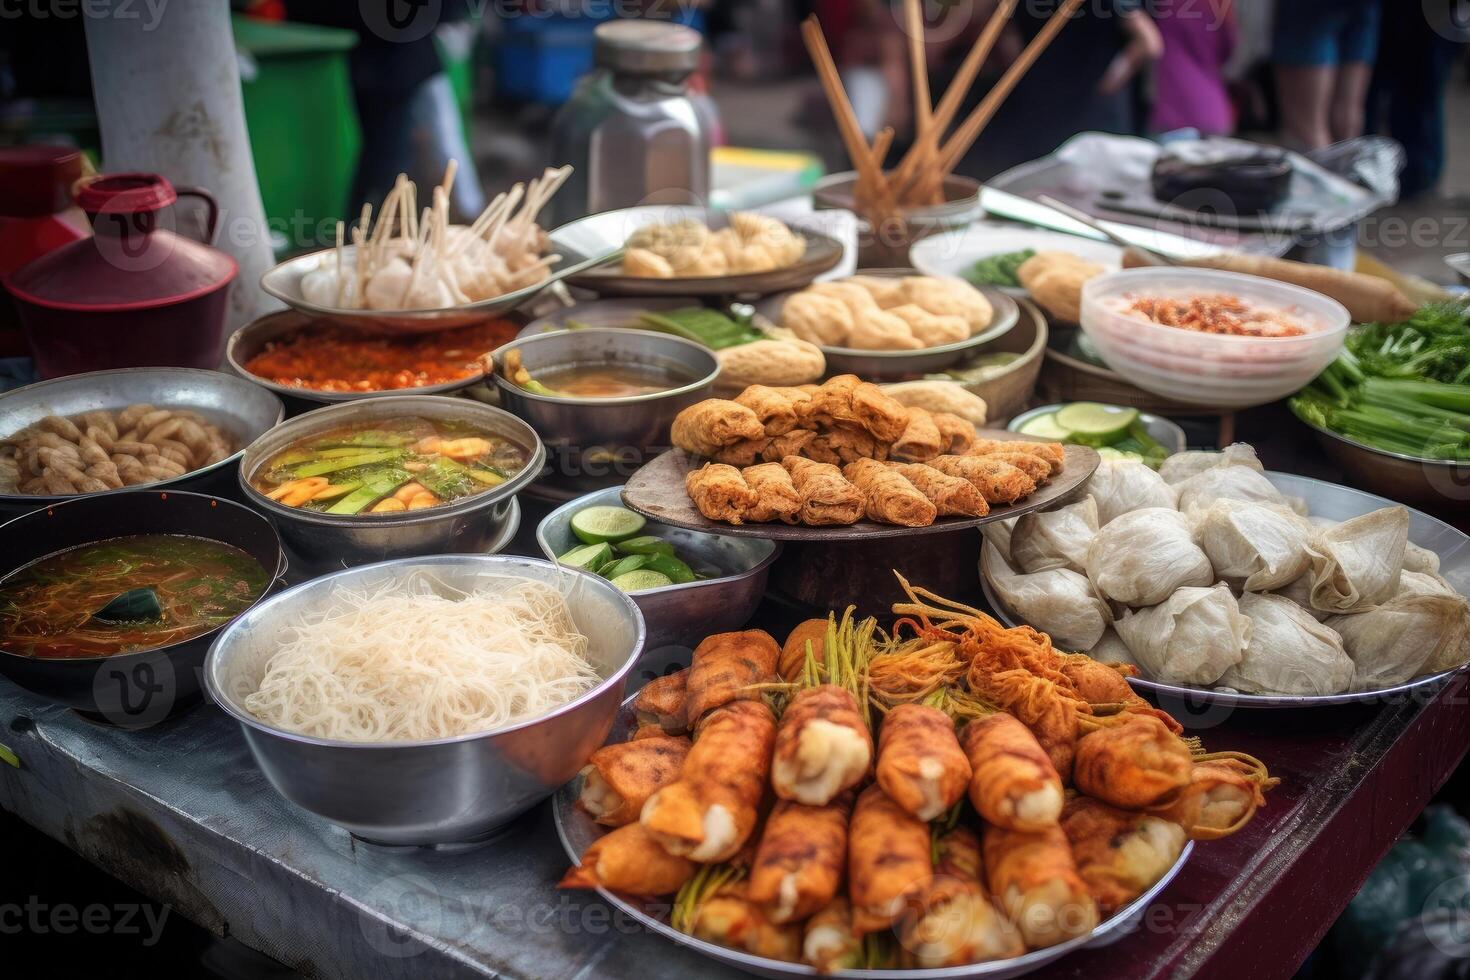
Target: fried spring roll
1132,765
1014,784
1033,877
743,453
1119,854
730,918
842,444
775,407
830,944
920,763
920,439
724,668
955,922
1037,468
878,412
630,861
706,427
651,731
1053,452
793,651
1098,683
793,443
847,400
888,860
719,492
800,861
827,498
1218,801
618,779
950,495
711,810
888,497
956,433
998,481
776,498
822,747
663,702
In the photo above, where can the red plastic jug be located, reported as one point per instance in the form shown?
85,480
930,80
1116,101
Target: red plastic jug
135,294
36,216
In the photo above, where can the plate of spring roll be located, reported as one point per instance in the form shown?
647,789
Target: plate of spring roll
844,460
954,799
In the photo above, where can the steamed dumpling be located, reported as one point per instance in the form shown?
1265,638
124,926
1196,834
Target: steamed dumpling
999,534
1234,483
1192,638
1356,564
1058,602
1123,485
1143,557
1299,591
1055,538
932,329
1181,466
1111,649
1255,547
1417,559
1289,651
877,329
1409,635
817,318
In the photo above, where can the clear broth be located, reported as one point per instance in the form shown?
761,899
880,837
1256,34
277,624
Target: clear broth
610,380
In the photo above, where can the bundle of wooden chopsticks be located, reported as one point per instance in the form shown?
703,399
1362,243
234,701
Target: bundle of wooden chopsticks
918,179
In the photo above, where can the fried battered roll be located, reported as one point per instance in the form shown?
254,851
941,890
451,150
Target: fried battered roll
950,495
955,922
1132,765
998,481
1119,854
830,943
663,701
725,666
920,439
845,399
743,453
920,763
1038,469
630,861
888,497
801,858
775,407
706,427
888,860
878,412
719,492
776,498
650,731
1033,877
711,810
956,434
731,918
619,779
827,498
1013,783
1053,452
1098,683
822,747
793,443
841,444
793,651
1218,801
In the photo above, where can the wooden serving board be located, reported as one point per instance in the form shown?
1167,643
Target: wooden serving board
657,492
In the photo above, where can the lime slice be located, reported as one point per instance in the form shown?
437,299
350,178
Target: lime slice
645,544
596,524
624,565
1097,425
1045,427
588,556
643,578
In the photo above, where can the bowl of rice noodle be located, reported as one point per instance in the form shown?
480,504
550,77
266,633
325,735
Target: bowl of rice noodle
428,701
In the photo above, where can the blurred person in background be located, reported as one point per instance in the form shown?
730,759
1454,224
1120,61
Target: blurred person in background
1189,80
1323,52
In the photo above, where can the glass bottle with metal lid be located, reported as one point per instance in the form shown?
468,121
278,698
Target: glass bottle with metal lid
630,130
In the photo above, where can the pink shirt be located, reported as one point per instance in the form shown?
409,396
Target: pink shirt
1189,88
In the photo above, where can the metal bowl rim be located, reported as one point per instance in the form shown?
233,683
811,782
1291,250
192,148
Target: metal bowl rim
1353,443
276,576
583,501
305,422
652,396
1147,418
227,704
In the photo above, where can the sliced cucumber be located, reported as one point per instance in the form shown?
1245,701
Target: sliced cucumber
624,565
605,523
1045,427
677,571
643,578
645,544
1098,424
588,556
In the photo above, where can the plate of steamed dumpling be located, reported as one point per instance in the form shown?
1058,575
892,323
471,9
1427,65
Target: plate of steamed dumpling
1217,580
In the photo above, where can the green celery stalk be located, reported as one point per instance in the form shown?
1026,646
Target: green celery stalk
324,466
373,489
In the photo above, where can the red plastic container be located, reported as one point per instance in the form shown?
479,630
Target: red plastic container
133,295
36,216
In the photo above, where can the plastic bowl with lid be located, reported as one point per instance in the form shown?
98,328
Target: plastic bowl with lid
1221,370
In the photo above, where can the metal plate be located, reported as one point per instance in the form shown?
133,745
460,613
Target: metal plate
952,253
1335,503
599,234
605,313
577,832
657,491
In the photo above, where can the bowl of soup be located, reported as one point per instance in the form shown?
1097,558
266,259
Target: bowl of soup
108,604
394,477
603,399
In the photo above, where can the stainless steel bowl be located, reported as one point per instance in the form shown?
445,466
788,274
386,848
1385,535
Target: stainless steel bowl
238,407
320,543
446,790
1161,430
682,615
611,433
1408,479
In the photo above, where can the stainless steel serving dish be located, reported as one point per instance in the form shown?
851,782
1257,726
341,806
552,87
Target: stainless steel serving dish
1410,479
325,542
238,407
1161,430
447,790
682,615
614,434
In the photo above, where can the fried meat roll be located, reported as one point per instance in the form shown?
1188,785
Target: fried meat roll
776,498
920,763
1033,877
1218,801
793,651
731,918
827,498
663,701
719,492
801,858
829,942
1132,765
775,407
955,922
630,861
920,439
743,453
888,860
1038,469
888,497
822,746
1053,452
706,427
1119,854
998,481
724,668
711,810
618,779
956,434
793,443
951,496
1013,783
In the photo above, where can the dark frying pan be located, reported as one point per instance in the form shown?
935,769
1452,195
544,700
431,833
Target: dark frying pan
131,690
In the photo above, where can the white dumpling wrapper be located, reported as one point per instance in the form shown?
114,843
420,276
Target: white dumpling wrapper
1255,547
1055,538
1111,649
1181,466
1192,638
1299,591
1144,556
1356,564
1234,483
1417,559
1123,485
1408,636
1289,652
1058,602
999,534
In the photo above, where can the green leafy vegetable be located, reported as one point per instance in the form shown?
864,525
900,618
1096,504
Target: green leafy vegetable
999,269
132,606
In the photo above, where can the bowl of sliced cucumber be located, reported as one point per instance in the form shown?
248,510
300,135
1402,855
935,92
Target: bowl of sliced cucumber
1115,431
686,583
